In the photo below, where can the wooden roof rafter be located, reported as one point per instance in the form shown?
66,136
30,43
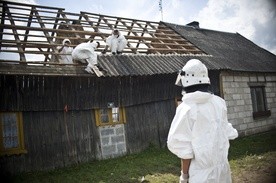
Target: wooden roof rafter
46,33
15,34
53,33
28,25
175,45
2,23
67,20
48,37
23,27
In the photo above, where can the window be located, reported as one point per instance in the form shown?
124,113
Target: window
11,133
110,116
259,101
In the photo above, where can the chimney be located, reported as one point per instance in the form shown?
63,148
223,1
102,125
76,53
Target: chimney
194,24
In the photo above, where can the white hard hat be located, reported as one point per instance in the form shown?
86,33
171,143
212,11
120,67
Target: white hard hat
193,73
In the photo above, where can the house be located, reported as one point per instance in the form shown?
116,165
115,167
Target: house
54,115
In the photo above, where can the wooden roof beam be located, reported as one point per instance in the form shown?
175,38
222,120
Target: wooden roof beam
28,25
81,32
28,5
53,33
122,18
2,23
129,45
91,24
14,30
107,23
143,32
48,37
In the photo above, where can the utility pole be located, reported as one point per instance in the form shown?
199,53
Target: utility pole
161,9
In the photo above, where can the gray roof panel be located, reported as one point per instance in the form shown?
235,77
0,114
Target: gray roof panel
229,50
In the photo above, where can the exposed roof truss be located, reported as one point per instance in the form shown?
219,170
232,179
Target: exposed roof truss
32,33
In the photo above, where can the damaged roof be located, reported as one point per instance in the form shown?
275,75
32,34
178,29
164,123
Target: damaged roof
115,65
166,47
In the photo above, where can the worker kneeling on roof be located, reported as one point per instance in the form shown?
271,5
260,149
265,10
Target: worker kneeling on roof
200,132
117,42
85,53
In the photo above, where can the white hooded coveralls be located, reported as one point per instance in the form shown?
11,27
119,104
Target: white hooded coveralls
200,131
116,42
85,52
65,57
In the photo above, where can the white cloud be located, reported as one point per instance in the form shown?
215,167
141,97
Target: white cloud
249,18
175,4
142,9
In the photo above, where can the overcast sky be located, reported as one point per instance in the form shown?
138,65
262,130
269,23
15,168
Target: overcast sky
254,19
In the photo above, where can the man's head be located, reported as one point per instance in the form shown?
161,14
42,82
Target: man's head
193,73
66,42
116,32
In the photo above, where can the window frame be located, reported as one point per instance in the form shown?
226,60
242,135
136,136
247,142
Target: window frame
122,117
253,90
21,144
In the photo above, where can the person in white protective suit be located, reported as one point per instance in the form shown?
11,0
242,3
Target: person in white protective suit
65,51
85,53
200,132
117,42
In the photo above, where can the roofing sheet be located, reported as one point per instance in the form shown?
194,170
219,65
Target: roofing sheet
229,50
226,51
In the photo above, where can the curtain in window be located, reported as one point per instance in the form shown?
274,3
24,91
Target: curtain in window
10,131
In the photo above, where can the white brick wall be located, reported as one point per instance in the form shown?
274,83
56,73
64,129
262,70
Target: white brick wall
237,95
113,143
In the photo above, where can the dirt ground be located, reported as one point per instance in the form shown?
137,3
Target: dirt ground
263,174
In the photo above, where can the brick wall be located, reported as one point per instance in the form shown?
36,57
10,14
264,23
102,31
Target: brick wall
236,93
113,143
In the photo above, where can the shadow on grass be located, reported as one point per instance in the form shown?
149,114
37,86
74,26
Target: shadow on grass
252,145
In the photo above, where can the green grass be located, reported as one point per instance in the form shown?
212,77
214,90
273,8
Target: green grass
155,164
252,145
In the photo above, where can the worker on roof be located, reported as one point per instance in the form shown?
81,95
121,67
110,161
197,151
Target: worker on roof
117,42
200,132
76,26
85,53
60,34
65,51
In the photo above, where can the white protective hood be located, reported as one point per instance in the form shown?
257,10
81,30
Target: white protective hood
65,40
118,38
86,51
200,131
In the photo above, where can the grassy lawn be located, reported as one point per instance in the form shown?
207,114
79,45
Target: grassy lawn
247,155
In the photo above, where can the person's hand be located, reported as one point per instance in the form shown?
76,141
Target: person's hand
184,178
